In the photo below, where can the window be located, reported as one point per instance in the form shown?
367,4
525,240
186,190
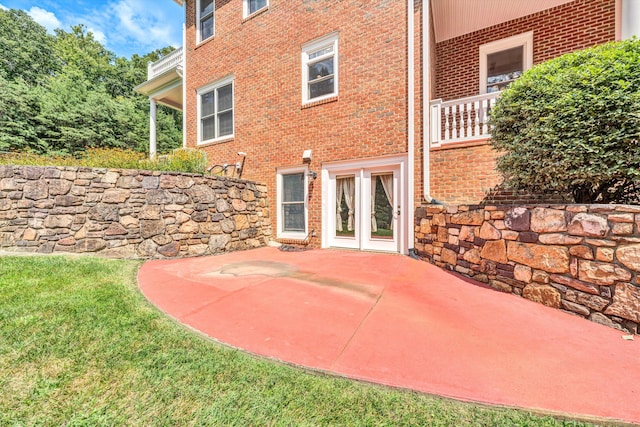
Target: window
320,69
292,205
215,111
205,10
252,6
503,61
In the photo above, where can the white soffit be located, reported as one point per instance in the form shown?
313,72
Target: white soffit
453,18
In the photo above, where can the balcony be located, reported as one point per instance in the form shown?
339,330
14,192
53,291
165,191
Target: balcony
164,80
461,120
169,62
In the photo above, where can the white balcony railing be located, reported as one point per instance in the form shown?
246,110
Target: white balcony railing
170,61
459,120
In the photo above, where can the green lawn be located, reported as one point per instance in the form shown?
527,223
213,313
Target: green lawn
80,346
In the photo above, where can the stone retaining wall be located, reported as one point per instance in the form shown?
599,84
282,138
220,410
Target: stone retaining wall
583,259
128,213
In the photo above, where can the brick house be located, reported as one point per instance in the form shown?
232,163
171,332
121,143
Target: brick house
355,113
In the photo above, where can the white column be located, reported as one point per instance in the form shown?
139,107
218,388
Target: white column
152,128
184,82
630,19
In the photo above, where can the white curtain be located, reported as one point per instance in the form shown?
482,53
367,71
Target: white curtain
387,184
349,196
339,192
374,222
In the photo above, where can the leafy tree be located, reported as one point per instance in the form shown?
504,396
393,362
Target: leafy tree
572,126
26,50
19,123
66,93
80,52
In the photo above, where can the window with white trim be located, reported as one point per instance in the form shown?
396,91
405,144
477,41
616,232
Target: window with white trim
215,111
503,61
253,6
320,69
292,203
205,10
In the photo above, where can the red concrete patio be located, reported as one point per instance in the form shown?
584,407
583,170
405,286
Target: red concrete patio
396,321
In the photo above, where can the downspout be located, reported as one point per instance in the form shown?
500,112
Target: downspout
426,100
411,100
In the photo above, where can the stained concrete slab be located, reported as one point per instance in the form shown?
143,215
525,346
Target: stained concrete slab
404,323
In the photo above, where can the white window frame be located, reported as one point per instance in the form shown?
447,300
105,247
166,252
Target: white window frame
205,90
281,234
525,40
199,23
330,40
245,9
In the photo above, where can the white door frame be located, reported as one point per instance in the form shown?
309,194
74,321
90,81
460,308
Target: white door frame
362,169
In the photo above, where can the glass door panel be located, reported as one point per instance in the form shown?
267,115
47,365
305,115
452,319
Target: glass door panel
382,205
345,206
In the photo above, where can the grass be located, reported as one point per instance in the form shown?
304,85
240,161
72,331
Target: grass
179,160
80,346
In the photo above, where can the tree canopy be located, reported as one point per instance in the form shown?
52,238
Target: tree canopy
64,93
572,126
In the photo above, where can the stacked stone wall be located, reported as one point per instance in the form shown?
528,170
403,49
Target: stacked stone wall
583,259
129,213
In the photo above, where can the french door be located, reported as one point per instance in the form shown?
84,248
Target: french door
364,208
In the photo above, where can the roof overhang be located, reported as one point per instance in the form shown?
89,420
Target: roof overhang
180,2
165,89
454,18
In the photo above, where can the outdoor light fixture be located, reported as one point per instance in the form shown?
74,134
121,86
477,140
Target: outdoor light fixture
240,165
306,155
312,174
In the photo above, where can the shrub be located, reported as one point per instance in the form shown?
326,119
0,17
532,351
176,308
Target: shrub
572,126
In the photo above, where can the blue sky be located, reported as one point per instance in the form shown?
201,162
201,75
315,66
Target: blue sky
124,27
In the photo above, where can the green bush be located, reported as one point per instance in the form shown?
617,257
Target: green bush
180,160
572,126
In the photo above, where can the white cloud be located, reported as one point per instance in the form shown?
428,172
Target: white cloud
122,26
45,18
145,23
98,35
3,7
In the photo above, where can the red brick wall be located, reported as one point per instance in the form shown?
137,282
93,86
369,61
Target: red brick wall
562,29
465,175
264,54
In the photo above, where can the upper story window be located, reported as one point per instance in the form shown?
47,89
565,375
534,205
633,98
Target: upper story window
215,111
205,10
503,61
320,69
253,6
